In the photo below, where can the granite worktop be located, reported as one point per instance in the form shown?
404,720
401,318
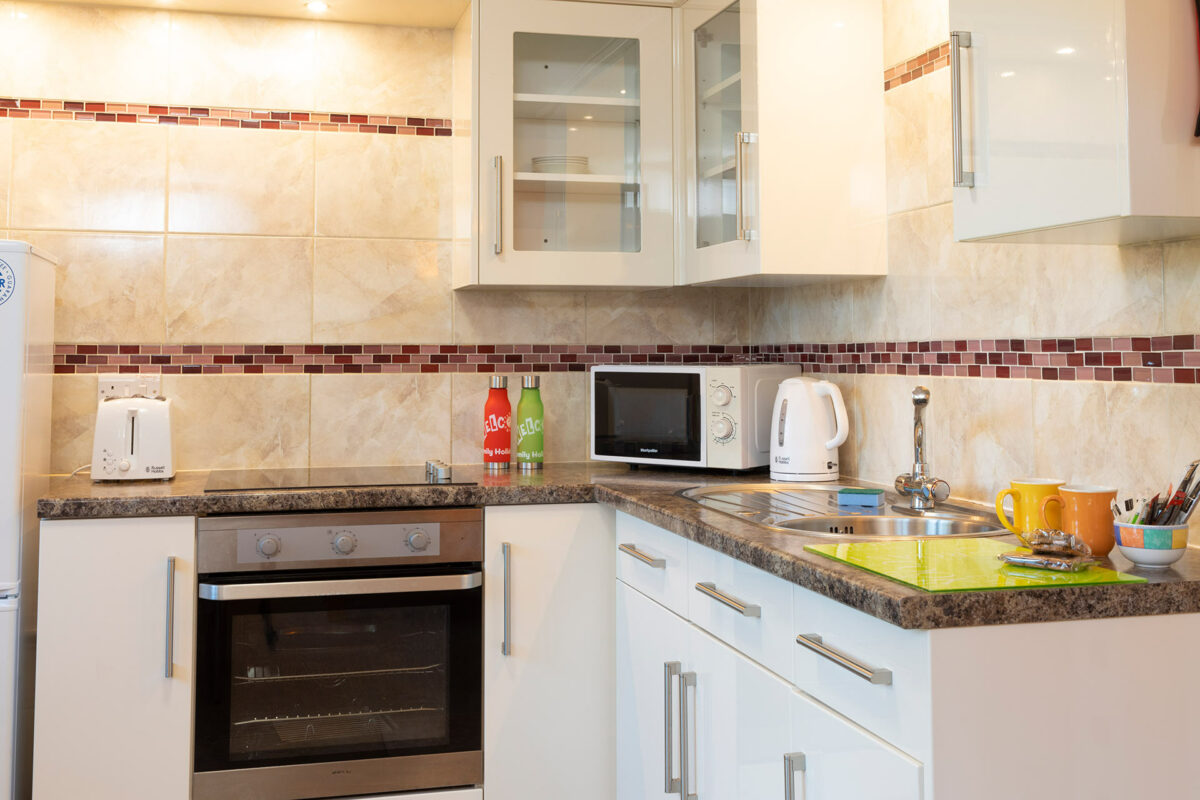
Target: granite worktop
652,495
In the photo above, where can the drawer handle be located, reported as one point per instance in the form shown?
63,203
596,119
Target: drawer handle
792,763
745,609
650,561
870,674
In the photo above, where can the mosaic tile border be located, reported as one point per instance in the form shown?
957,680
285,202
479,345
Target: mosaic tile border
210,116
1147,359
933,59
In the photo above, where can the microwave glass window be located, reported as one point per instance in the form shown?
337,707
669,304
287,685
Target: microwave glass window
646,414
652,415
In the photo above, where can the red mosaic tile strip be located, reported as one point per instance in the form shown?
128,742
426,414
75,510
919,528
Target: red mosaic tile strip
213,117
934,58
1148,359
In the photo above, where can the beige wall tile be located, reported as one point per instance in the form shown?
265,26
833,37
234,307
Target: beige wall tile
72,422
731,316
1181,269
226,180
911,27
77,52
383,186
492,317
917,143
663,316
239,421
1182,432
244,289
382,290
1099,291
88,176
898,306
108,288
225,60
364,420
988,439
882,425
564,400
817,312
377,69
5,166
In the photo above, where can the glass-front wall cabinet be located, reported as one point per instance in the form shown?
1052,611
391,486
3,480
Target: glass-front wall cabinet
718,64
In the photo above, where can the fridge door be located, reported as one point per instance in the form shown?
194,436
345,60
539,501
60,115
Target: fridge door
8,691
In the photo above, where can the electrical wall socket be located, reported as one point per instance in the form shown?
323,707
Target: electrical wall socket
113,384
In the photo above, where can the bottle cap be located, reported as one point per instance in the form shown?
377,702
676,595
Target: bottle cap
531,382
499,381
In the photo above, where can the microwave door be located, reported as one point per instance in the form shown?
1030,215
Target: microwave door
649,417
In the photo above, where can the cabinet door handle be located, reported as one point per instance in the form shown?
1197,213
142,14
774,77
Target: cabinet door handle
685,745
671,670
745,609
792,763
958,40
506,645
650,561
169,667
498,239
739,188
870,674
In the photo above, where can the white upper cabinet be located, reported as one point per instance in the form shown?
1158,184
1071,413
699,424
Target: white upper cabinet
575,161
782,141
1078,120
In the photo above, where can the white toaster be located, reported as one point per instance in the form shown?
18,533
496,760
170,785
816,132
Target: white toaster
132,440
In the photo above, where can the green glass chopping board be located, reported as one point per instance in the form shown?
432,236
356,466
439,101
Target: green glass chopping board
958,565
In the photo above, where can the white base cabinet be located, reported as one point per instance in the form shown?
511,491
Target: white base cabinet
549,718
115,659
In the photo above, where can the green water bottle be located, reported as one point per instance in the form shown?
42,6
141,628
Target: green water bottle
530,449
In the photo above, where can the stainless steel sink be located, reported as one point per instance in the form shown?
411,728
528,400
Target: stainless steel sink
812,509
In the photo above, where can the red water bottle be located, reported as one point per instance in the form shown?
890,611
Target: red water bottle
497,426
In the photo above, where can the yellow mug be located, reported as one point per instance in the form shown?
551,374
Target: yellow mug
1087,513
1027,495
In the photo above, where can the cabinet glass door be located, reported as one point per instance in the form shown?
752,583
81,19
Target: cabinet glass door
718,104
576,141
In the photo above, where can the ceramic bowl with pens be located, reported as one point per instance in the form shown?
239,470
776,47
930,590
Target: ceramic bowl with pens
1151,546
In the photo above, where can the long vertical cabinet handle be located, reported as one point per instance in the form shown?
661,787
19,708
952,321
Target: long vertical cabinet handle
792,763
685,744
958,40
742,139
169,667
498,239
506,645
671,670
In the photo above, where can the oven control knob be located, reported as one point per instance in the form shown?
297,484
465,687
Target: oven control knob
721,396
418,540
344,544
722,429
269,546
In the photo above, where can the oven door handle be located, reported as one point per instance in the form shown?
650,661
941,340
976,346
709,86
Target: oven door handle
269,591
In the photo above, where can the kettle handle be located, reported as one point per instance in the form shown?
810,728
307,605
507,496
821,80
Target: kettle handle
831,391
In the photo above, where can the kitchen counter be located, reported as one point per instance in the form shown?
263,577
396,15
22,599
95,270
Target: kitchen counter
652,495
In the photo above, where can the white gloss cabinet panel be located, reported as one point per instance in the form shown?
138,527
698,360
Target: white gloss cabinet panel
109,722
653,561
549,717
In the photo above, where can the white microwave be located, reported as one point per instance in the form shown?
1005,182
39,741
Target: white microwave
717,417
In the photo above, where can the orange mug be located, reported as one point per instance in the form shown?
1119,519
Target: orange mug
1086,513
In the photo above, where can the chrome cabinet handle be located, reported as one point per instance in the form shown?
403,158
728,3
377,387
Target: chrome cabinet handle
687,679
169,669
876,675
650,561
739,173
267,591
506,645
745,609
671,671
958,40
792,763
498,239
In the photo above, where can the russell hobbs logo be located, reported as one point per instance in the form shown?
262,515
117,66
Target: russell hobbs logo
647,449
783,459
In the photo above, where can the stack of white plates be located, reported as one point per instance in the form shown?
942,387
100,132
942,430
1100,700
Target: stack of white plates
572,165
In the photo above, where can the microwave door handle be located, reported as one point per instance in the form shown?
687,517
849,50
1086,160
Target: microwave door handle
335,588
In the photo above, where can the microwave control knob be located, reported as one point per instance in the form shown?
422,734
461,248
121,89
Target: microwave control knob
344,544
722,429
123,465
418,540
269,546
721,396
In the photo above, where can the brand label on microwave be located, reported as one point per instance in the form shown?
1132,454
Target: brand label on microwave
647,449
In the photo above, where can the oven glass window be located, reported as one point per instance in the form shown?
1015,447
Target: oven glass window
291,680
648,415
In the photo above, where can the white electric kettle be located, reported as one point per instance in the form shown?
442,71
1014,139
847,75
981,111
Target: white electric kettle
808,426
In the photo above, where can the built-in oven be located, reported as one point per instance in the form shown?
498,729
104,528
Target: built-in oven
338,654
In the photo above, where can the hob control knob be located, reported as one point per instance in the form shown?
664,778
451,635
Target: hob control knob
123,465
721,396
344,544
269,546
418,540
722,428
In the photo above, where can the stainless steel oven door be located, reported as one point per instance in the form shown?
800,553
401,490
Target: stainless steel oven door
336,683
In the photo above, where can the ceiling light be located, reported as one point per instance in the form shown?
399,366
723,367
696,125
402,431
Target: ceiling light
587,116
1065,51
317,6
622,91
1008,74
572,129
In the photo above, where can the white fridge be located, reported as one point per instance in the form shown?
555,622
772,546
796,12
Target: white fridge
26,377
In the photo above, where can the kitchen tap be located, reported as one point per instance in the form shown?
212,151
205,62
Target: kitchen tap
923,490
